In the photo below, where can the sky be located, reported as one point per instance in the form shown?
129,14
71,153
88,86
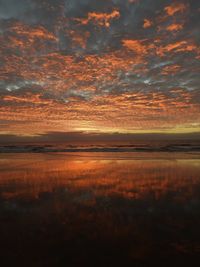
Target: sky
103,66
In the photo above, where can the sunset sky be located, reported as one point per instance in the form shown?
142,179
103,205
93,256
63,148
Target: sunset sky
103,66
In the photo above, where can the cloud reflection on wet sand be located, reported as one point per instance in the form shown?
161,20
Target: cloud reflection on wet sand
104,209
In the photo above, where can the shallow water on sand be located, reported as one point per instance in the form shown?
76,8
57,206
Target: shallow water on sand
100,209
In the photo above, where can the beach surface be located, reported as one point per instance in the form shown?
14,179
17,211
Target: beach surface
100,209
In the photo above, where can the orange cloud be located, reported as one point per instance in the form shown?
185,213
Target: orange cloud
101,19
147,23
28,98
138,46
175,27
175,8
180,46
28,39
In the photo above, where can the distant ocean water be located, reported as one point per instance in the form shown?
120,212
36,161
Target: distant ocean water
155,147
